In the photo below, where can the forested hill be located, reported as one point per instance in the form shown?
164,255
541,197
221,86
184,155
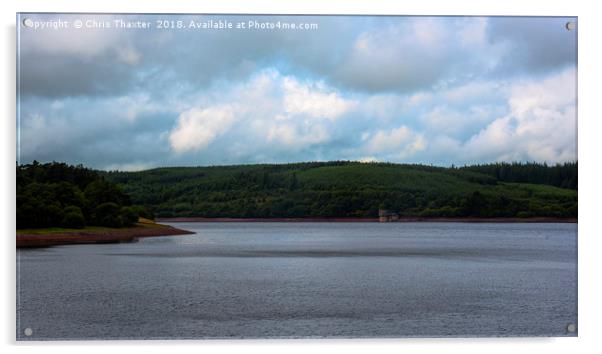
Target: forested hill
354,189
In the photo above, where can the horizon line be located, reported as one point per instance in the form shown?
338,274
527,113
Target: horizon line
453,165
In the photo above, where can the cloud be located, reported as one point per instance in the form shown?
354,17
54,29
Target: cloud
66,76
367,159
295,137
388,54
474,90
197,128
397,143
404,89
95,132
133,166
84,43
75,62
458,122
313,100
416,53
534,44
541,125
399,57
271,109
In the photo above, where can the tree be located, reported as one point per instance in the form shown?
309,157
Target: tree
475,205
144,212
74,218
129,216
101,191
57,194
108,214
293,184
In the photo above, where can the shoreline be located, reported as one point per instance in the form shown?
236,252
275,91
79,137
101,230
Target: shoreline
375,219
130,234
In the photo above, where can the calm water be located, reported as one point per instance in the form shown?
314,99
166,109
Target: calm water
233,280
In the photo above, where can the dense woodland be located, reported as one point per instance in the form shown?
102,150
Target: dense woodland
354,189
563,176
59,195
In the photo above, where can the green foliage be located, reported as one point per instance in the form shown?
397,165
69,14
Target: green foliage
74,218
560,175
107,214
55,172
143,212
101,191
57,194
351,189
129,215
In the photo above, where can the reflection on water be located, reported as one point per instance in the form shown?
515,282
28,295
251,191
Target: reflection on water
233,280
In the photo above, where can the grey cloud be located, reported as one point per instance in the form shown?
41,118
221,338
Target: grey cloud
69,62
52,66
60,76
398,56
534,44
96,132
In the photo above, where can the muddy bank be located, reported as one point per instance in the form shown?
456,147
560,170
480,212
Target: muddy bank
401,219
129,234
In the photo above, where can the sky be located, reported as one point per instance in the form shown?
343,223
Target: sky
431,90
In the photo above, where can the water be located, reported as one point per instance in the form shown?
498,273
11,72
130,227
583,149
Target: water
273,280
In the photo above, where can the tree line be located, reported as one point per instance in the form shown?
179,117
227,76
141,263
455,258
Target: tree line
559,175
59,195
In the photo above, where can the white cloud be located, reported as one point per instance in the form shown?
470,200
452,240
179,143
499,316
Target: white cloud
272,111
295,137
367,159
397,143
541,125
313,99
553,93
132,166
197,128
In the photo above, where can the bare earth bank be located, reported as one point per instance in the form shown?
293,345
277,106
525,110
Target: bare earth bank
129,234
401,219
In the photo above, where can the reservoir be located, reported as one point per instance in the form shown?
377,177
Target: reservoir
321,279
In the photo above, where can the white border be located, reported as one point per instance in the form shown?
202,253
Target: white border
589,169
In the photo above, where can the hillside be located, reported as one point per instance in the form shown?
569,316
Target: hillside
353,189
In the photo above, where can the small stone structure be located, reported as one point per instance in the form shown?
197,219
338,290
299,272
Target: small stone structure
387,215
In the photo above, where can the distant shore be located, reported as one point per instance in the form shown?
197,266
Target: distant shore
41,238
401,219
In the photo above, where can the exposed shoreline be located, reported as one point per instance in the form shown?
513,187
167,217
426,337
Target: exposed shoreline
130,234
401,219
